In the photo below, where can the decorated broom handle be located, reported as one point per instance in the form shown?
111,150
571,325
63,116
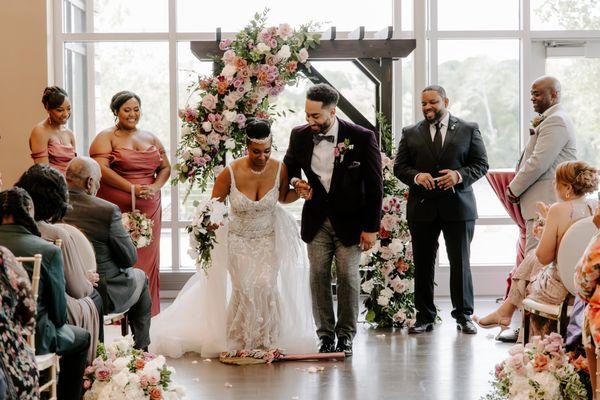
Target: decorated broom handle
316,356
132,198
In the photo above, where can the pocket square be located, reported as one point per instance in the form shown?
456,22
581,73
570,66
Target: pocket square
354,164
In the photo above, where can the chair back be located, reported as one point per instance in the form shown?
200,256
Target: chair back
35,283
86,250
572,247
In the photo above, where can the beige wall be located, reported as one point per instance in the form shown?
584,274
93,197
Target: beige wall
23,76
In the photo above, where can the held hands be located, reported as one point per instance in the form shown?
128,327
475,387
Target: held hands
93,277
448,180
510,196
367,240
303,189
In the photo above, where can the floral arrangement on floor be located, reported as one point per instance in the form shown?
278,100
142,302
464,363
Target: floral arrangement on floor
139,227
122,372
388,268
255,68
208,216
539,370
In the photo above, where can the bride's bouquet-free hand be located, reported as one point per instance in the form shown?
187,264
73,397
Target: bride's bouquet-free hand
540,370
139,227
122,372
209,216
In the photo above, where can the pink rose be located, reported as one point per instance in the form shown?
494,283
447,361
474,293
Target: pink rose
303,55
229,57
209,102
103,373
285,31
87,384
153,380
225,43
241,120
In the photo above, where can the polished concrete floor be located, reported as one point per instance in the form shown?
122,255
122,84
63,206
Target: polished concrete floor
443,364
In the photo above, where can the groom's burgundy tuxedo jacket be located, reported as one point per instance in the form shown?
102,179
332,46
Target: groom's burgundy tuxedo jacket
353,204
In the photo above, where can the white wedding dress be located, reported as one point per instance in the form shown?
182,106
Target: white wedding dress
256,293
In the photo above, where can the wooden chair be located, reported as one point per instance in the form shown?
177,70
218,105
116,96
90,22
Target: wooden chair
572,246
45,361
89,257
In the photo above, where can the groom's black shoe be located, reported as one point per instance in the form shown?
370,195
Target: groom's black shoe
327,345
421,327
466,326
344,345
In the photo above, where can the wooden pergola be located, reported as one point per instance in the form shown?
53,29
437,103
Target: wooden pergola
372,56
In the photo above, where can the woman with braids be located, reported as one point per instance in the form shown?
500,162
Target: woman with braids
48,190
20,234
537,276
50,141
17,322
134,163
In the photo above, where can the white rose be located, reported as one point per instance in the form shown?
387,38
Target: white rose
365,258
121,379
396,246
367,286
186,130
207,126
283,54
142,242
196,152
303,55
263,48
121,363
230,144
229,71
230,115
383,300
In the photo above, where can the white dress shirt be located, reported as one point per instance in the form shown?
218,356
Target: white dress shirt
323,156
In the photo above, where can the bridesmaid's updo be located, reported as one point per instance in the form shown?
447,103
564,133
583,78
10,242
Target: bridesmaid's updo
120,98
53,97
582,177
257,130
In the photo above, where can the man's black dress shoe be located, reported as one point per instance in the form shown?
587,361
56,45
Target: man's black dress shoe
421,327
466,326
509,336
327,345
344,345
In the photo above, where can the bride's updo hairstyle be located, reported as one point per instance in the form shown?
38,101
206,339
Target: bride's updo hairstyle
258,131
581,176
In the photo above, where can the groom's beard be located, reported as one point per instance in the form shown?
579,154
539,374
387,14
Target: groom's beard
321,128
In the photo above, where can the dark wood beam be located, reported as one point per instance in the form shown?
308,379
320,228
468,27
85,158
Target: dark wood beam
343,104
330,49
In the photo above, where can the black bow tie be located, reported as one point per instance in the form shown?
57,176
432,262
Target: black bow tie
320,137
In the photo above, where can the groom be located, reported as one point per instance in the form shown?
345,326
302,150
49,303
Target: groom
341,215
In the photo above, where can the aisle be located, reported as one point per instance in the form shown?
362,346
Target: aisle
443,364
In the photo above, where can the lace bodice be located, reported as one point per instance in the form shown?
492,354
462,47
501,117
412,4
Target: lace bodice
252,218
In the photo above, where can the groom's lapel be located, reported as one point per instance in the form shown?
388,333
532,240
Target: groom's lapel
343,134
306,152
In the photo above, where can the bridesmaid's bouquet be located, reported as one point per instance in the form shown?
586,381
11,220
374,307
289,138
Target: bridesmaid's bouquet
539,370
139,227
209,216
122,372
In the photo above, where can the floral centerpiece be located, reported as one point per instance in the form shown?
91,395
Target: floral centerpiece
254,69
388,268
139,227
208,216
122,372
539,370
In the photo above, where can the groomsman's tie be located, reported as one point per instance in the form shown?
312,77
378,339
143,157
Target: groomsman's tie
437,139
318,138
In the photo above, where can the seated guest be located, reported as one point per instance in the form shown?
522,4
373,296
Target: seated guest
48,190
20,234
587,278
537,276
100,220
17,322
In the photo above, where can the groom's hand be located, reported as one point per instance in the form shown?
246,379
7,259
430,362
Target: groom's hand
367,240
303,189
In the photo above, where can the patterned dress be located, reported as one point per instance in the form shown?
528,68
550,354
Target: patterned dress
587,277
17,321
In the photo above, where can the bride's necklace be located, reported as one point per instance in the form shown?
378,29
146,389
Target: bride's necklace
255,172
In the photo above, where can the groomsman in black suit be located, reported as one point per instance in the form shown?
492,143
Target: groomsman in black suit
439,158
341,216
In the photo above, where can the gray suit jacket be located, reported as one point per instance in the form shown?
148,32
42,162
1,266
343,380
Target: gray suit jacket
552,144
100,221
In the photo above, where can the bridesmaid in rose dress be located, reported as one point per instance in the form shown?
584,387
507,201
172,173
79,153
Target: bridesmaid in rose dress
132,158
50,141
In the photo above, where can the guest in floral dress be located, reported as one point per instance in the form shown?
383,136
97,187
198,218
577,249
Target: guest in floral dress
587,278
17,321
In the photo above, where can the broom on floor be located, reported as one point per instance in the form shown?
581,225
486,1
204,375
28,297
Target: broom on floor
257,356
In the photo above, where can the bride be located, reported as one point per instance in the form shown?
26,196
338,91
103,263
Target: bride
265,303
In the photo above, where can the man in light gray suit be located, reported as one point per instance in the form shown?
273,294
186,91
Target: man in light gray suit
122,287
552,141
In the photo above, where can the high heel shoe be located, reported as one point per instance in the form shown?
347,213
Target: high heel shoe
503,323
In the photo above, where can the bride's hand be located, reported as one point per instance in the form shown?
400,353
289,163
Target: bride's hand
542,209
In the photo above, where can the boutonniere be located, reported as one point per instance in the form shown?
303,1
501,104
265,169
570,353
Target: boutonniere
341,149
451,127
538,119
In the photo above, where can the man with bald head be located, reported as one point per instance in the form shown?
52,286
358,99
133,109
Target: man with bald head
551,142
122,287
